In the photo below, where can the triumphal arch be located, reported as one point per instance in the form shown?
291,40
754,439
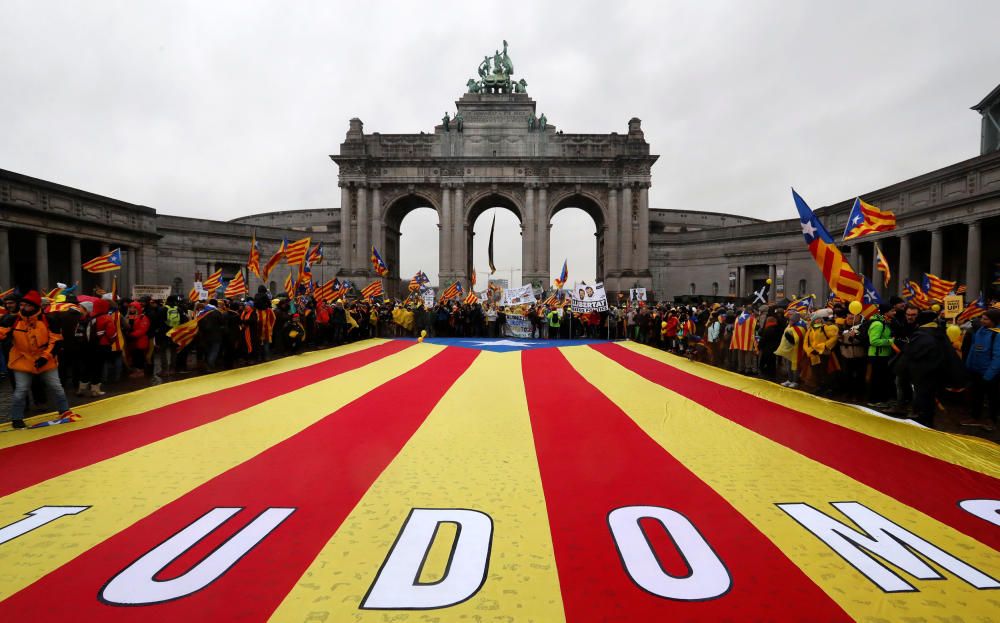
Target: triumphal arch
496,150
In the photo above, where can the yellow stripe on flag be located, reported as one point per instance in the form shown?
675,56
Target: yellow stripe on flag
730,459
947,447
118,490
470,453
140,401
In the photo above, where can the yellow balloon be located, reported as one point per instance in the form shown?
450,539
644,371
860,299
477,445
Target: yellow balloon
935,307
423,333
768,282
420,339
953,332
663,325
854,307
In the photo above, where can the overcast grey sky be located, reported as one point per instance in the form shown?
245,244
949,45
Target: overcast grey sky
222,109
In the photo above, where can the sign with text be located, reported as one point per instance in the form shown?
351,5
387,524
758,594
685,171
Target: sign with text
518,296
590,298
953,305
153,292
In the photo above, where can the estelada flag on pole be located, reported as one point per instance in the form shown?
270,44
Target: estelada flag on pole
372,290
563,275
253,263
380,267
104,263
936,287
882,265
213,283
837,271
866,219
296,252
290,285
316,255
975,309
271,263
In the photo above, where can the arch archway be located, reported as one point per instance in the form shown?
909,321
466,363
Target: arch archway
582,204
508,257
407,251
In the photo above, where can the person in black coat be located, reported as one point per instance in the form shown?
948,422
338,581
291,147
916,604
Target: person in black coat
930,363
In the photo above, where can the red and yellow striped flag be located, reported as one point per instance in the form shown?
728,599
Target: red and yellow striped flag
271,263
237,286
184,334
104,263
865,218
882,265
372,290
296,252
253,262
836,270
213,283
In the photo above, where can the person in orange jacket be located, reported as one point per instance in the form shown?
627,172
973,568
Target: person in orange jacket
32,355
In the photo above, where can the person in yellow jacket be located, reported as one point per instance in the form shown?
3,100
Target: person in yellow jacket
32,355
819,345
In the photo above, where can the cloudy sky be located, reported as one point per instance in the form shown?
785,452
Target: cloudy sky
222,109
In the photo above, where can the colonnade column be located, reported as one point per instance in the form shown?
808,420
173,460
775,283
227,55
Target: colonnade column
376,218
133,264
611,264
464,235
625,212
346,252
642,236
741,282
937,251
75,262
772,274
542,243
363,248
42,261
106,277
903,269
974,260
6,278
444,239
855,256
529,250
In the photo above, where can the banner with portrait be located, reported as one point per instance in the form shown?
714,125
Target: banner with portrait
587,298
518,296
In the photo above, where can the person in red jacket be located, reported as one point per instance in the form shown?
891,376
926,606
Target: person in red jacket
137,338
31,355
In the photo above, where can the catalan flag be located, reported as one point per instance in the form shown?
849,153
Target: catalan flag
744,330
563,275
472,280
962,289
297,252
914,294
213,283
453,291
414,285
636,486
975,309
324,292
193,295
871,300
936,287
237,286
104,263
6,293
866,219
253,263
380,268
882,265
471,298
802,305
184,334
114,288
372,290
271,263
289,285
316,255
836,270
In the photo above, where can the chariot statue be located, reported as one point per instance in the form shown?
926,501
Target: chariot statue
494,77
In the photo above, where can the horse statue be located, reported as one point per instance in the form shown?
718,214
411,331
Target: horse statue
473,86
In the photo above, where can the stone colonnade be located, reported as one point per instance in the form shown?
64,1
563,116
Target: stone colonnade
44,279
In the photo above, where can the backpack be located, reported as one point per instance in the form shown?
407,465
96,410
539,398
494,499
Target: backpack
863,333
173,316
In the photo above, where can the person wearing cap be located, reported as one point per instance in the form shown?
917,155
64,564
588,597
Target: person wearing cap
983,364
31,356
819,345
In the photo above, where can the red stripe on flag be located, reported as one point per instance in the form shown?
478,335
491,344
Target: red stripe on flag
321,471
591,468
930,485
53,456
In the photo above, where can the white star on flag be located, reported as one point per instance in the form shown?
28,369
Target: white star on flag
808,229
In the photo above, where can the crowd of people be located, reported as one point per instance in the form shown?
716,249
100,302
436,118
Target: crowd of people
899,360
902,360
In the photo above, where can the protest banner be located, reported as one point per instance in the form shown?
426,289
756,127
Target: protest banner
518,296
518,326
153,292
588,298
637,295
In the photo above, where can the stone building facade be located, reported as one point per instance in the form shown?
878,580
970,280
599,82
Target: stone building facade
497,153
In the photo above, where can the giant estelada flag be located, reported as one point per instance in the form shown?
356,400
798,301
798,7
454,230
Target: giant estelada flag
503,481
